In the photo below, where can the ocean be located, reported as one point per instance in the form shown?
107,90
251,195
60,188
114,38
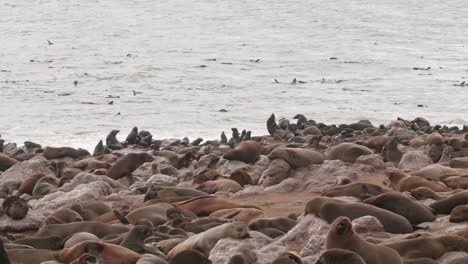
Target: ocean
187,60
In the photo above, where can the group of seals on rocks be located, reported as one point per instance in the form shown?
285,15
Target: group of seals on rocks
153,201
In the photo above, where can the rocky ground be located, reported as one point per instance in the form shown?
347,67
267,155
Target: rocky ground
178,188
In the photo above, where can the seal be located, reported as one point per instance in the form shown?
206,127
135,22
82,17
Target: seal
340,256
204,206
15,207
428,247
459,214
6,162
221,185
112,142
283,224
342,236
28,183
78,238
271,125
457,182
245,215
391,152
44,186
445,206
100,149
190,256
403,182
205,241
151,259
135,238
348,152
288,258
247,151
245,254
133,138
29,256
50,242
423,193
105,253
297,157
155,213
376,142
91,210
97,228
402,205
359,190
329,209
125,166
63,216
64,152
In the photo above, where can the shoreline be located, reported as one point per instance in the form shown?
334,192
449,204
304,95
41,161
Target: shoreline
238,177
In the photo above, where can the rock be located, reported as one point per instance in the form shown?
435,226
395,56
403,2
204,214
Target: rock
287,185
373,160
19,171
417,143
276,173
93,191
414,160
367,224
33,220
162,180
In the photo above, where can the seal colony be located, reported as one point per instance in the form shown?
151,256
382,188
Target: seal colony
308,192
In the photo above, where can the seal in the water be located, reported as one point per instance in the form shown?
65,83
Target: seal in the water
342,236
340,256
125,166
247,151
112,142
15,207
133,137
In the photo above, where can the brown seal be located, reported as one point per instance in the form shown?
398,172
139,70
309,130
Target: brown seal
203,206
64,152
329,209
340,256
105,253
297,157
190,256
125,166
100,149
50,242
6,162
403,182
244,215
30,256
205,241
15,207
220,185
271,124
155,213
288,258
245,254
348,152
428,247
63,216
445,206
342,236
281,223
91,210
28,183
64,230
459,214
422,193
391,152
402,205
457,182
78,238
376,142
247,151
135,238
359,190
44,186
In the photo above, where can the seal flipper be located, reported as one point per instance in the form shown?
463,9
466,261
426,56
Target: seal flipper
121,217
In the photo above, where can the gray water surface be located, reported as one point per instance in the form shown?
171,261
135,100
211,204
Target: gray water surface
155,47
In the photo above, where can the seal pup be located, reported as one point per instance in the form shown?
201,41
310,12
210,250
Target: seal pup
342,236
15,207
133,138
340,256
112,142
126,165
207,240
